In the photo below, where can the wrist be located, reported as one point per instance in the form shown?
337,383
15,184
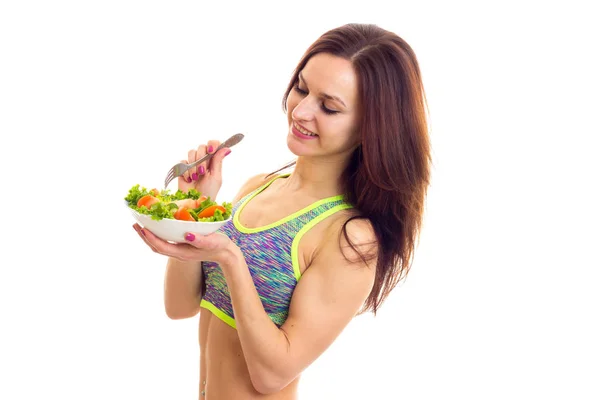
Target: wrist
230,256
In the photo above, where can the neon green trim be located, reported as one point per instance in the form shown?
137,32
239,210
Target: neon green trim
218,313
243,229
306,228
236,219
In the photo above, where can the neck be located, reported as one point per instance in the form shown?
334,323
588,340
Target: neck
316,177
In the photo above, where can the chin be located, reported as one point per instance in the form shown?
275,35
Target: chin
294,146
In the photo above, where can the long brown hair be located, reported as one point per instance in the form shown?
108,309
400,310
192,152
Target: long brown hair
387,177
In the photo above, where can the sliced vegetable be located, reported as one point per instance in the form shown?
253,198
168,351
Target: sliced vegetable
162,204
187,203
147,201
183,214
210,211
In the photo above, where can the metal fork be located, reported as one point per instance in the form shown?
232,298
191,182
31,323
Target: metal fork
179,169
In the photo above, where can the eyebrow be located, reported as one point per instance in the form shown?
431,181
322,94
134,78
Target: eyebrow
327,96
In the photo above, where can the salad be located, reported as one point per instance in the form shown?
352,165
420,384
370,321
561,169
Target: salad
190,206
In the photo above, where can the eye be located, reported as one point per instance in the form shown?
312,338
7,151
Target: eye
300,91
327,110
303,92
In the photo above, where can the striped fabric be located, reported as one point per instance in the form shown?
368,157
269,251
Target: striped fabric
271,253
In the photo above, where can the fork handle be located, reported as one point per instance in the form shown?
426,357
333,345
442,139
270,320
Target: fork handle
232,141
208,156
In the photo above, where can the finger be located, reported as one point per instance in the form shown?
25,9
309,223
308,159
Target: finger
157,244
142,235
205,242
212,146
180,251
192,157
186,175
200,168
216,163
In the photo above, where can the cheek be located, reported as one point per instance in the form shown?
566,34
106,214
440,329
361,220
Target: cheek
353,129
345,127
348,132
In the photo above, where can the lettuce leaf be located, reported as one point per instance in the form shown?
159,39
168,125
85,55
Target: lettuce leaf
165,208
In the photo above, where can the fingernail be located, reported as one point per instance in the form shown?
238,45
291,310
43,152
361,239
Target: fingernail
190,237
188,179
228,151
195,176
142,231
201,170
210,149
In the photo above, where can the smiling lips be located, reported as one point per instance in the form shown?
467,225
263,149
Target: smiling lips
301,132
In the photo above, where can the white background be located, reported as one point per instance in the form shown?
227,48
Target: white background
502,301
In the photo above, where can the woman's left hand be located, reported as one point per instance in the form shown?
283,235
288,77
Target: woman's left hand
213,247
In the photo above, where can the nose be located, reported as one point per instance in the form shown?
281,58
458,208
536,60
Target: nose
304,110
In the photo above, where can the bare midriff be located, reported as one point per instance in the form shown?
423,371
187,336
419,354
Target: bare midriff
223,371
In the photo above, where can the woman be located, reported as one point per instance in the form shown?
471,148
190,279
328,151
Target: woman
308,250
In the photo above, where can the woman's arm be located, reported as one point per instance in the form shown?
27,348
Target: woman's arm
184,280
325,300
183,288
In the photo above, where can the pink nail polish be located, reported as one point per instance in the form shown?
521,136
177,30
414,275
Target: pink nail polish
194,176
190,237
228,151
201,170
210,149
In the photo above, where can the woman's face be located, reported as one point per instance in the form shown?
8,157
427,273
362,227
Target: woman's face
323,108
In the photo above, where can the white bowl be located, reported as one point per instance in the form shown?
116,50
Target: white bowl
174,230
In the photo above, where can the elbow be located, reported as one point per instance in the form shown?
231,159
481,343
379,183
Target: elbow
266,382
177,315
267,387
177,312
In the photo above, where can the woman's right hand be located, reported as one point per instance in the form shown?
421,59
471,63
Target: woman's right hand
205,177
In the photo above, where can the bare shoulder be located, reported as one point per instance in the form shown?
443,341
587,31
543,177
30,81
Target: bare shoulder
351,238
251,184
359,229
343,265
